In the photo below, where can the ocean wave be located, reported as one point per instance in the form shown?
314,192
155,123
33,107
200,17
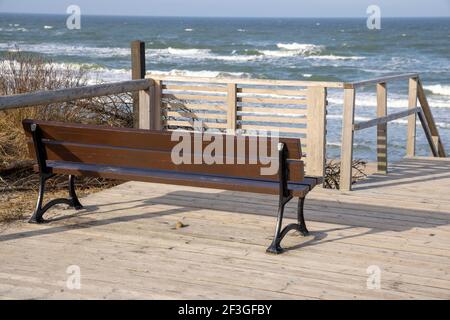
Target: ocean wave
333,57
167,54
48,27
188,52
438,89
196,54
370,100
13,29
67,50
279,53
188,30
203,73
305,48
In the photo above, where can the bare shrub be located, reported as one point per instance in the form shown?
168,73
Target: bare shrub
333,173
21,73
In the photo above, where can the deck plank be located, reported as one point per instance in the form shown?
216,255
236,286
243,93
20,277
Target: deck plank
127,247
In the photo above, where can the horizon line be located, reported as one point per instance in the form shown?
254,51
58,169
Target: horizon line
226,17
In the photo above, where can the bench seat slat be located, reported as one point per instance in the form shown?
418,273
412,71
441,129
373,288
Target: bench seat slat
130,138
177,178
159,160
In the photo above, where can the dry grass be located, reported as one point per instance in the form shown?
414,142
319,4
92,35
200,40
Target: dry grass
26,73
20,204
21,73
19,191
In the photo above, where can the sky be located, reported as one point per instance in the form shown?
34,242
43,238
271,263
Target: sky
235,8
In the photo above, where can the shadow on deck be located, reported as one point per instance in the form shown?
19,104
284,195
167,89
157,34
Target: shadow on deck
126,244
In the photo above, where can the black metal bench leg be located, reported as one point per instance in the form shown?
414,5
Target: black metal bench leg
37,214
40,210
275,247
301,217
73,195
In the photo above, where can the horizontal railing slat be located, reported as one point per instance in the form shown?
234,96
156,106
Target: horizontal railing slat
356,84
271,100
386,119
70,94
194,115
192,106
269,91
262,82
193,96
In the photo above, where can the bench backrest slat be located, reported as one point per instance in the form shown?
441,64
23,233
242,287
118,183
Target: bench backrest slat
147,149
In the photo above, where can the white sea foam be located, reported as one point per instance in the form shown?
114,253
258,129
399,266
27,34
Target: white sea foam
369,100
333,57
202,73
189,52
196,54
279,53
302,48
67,50
241,30
48,27
188,30
439,89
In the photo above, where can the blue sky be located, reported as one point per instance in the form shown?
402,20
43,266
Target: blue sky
235,8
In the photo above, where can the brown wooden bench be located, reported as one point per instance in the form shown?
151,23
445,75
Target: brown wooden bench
145,155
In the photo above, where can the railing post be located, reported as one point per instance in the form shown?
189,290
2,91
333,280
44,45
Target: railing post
430,120
232,108
316,131
155,106
145,114
347,140
412,103
137,72
382,157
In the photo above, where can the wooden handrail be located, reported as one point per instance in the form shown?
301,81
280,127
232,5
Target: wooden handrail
430,120
268,82
357,84
69,94
386,119
428,135
415,92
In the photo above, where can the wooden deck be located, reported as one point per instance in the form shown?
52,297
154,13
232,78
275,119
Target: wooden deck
126,245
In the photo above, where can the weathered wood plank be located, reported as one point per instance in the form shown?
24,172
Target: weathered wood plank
316,131
354,85
382,137
138,72
347,140
385,119
412,104
264,82
63,95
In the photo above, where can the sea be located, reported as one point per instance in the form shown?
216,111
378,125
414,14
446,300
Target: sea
330,49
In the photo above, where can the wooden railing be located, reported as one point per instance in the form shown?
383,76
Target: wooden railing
292,108
416,93
70,94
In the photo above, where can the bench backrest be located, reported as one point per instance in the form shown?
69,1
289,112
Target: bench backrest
151,149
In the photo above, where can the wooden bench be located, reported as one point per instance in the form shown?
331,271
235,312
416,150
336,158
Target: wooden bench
146,155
